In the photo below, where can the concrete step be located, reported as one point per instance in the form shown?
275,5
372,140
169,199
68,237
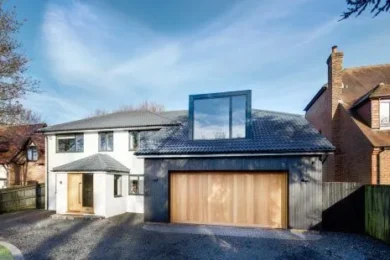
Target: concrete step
75,216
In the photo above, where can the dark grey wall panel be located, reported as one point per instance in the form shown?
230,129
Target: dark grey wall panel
305,177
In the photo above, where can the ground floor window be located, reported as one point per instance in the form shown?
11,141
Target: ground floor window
136,185
117,185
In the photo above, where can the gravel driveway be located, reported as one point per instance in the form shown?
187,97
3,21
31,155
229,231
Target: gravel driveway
125,236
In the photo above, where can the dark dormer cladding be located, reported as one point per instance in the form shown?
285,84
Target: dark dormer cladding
225,115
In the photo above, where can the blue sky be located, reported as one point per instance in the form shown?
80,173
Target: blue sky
99,54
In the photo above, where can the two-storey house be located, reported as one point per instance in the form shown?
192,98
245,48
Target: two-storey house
352,111
221,162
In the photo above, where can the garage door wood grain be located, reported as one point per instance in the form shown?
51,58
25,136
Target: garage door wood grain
239,199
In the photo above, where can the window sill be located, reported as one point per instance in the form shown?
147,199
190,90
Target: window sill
138,194
118,196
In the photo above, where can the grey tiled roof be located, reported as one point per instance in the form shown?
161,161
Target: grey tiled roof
272,132
114,120
97,162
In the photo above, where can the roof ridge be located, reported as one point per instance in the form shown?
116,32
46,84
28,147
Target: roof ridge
101,160
154,113
276,112
367,66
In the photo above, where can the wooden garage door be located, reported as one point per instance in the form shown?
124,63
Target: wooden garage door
239,199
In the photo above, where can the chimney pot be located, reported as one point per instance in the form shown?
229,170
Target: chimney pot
334,48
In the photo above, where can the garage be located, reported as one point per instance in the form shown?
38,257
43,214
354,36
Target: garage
256,199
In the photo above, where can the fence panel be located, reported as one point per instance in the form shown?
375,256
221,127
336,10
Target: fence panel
343,206
26,197
377,202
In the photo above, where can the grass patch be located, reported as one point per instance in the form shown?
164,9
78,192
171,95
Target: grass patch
5,254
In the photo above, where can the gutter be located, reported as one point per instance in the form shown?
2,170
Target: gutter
378,166
232,155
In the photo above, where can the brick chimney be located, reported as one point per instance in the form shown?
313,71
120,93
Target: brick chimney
335,84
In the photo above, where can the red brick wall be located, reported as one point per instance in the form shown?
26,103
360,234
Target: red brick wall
375,114
365,112
355,151
384,165
319,116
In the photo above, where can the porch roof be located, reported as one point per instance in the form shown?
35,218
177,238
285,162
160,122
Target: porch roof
94,163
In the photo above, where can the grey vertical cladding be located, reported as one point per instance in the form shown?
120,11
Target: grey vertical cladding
304,189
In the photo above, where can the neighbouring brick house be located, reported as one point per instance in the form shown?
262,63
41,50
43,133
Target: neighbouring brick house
353,111
22,155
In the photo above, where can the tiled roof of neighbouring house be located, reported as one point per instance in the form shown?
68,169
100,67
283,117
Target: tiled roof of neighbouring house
114,120
358,81
13,139
94,163
272,132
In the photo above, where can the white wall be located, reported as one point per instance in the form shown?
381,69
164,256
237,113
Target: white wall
115,205
99,193
121,153
3,175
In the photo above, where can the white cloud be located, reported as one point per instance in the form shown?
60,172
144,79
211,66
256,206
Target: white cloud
119,60
80,39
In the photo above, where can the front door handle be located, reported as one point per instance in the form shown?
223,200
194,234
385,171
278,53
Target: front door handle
80,192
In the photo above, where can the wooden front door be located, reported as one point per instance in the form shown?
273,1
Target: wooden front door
75,195
227,198
80,192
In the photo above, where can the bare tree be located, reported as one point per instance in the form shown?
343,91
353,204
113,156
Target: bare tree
24,117
14,84
359,6
144,106
98,112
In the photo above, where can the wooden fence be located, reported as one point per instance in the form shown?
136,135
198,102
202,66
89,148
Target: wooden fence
377,202
343,207
26,197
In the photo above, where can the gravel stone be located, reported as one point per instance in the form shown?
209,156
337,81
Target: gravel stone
126,236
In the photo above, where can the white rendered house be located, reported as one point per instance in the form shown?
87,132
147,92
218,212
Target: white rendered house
91,167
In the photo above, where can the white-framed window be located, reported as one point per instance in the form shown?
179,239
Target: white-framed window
136,185
106,141
32,153
133,140
117,185
384,112
70,143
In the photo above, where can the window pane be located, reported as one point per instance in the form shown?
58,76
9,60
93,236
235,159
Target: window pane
102,143
80,143
141,185
384,113
134,185
34,153
211,118
117,185
29,154
134,139
110,141
238,116
66,145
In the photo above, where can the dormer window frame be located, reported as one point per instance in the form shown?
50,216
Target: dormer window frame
384,101
230,94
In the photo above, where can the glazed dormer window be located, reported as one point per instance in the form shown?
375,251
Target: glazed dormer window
220,115
384,111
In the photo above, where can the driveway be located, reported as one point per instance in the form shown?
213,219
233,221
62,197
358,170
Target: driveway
126,236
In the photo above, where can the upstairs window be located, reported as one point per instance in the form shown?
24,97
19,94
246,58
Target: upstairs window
32,153
133,140
70,143
106,142
220,115
384,111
